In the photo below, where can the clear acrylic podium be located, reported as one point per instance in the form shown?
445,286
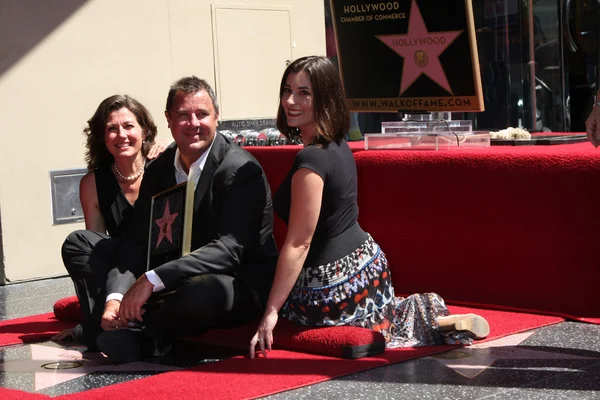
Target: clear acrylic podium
432,131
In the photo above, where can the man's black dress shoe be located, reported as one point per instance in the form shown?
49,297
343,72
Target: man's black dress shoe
125,345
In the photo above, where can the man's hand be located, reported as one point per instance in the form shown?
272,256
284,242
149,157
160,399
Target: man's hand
134,300
110,318
592,126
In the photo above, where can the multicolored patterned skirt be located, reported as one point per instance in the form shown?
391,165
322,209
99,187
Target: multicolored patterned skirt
357,290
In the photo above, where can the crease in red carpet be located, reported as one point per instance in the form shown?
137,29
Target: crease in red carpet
243,378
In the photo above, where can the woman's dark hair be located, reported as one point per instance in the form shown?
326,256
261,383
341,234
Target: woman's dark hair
97,153
331,112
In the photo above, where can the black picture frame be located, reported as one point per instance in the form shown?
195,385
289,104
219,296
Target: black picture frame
170,230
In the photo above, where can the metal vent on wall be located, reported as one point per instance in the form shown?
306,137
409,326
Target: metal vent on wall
66,207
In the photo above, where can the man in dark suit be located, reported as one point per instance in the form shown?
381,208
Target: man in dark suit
226,278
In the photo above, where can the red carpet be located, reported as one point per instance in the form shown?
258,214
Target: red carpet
241,378
31,329
11,394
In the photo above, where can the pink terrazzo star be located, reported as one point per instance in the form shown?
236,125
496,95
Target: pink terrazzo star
72,364
473,360
421,50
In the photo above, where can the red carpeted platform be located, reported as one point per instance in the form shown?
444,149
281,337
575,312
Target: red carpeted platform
513,226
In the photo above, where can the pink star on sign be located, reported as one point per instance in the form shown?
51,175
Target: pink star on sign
420,50
164,224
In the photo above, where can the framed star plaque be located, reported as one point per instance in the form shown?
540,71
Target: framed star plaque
171,215
408,55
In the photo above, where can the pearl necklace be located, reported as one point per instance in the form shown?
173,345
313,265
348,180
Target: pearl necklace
132,177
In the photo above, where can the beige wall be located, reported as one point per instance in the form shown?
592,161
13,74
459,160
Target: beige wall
60,58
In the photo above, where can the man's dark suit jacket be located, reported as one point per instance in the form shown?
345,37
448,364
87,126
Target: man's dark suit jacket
232,230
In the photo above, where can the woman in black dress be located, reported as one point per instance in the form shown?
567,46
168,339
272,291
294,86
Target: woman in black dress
120,141
330,272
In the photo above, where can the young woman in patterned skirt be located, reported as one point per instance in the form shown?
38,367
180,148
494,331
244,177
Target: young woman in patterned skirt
330,272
